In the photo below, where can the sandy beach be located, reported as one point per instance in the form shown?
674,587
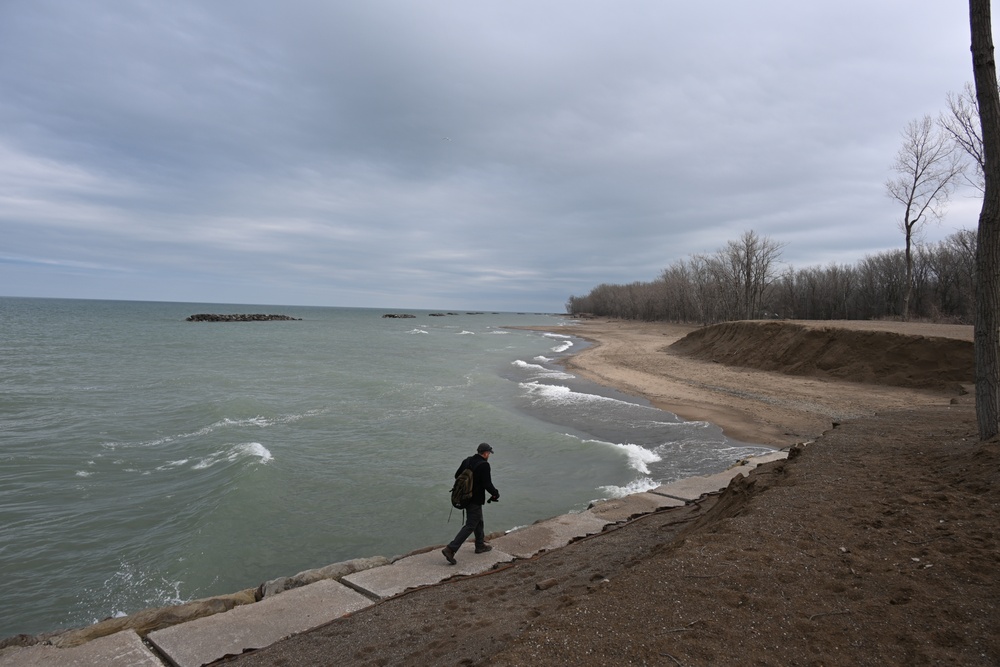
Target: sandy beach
873,544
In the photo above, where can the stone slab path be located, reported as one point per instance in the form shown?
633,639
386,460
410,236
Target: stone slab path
257,625
122,649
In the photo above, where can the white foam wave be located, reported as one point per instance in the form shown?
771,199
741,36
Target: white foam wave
234,454
639,457
558,393
466,333
226,422
208,461
635,486
564,396
416,331
563,347
83,473
525,365
254,449
133,586
555,335
498,333
542,359
744,451
259,421
541,371
687,425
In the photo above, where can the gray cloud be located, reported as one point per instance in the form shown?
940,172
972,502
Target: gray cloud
498,155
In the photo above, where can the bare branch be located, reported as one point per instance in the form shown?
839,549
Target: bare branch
961,123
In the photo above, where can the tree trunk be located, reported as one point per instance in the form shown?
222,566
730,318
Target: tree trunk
987,321
908,292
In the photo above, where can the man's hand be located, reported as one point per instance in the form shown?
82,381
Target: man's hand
495,498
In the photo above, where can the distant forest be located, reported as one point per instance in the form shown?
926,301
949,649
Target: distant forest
742,280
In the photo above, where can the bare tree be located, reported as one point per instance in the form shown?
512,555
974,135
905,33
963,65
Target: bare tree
961,123
987,323
679,293
759,255
707,288
927,168
746,269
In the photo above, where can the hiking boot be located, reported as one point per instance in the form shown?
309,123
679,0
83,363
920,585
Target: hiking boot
483,548
450,555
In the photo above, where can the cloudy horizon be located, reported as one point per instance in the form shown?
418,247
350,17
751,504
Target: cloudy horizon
445,155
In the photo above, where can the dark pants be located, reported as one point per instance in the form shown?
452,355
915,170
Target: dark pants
473,524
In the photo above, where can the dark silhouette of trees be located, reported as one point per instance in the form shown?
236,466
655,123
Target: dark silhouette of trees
714,287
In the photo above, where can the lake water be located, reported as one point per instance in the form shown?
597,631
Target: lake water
146,460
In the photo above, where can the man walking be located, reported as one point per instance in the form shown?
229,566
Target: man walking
481,483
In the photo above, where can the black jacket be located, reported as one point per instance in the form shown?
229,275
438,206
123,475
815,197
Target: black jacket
481,480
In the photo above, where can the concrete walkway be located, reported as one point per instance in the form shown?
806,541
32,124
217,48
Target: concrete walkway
253,626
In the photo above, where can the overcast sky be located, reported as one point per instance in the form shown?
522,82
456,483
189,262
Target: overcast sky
486,154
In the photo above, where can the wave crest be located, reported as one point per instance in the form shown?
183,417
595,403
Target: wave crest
235,453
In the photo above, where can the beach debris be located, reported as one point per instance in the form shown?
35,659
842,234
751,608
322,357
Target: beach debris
546,584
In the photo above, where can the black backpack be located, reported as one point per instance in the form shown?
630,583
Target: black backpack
461,492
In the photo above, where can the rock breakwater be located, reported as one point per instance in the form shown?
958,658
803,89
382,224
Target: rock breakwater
238,317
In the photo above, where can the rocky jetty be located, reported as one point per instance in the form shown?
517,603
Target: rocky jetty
235,317
399,315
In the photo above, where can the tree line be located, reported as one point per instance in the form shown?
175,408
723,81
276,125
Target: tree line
744,280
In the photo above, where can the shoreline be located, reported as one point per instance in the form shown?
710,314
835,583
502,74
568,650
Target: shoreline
750,405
